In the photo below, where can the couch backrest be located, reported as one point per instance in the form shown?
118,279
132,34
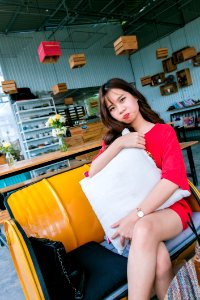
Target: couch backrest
56,208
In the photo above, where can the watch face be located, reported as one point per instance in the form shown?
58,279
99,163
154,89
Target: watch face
140,214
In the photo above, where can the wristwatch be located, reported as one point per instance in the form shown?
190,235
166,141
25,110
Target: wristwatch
140,213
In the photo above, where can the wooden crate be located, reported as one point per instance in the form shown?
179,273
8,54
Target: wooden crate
196,60
184,77
189,53
9,87
49,52
68,101
145,80
157,79
168,65
77,60
183,54
126,45
168,89
59,88
161,53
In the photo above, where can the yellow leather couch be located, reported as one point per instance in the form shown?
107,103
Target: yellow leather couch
57,209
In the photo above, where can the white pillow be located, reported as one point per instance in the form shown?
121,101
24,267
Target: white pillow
121,186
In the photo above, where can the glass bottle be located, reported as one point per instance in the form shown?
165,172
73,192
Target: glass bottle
197,261
62,145
9,159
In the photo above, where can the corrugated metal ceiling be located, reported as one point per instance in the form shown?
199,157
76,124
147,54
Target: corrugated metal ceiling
148,19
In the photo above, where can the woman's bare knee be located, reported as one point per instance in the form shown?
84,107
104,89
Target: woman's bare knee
143,232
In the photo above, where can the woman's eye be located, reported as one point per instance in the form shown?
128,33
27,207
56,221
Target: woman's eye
122,99
111,108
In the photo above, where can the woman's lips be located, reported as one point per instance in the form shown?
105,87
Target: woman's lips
126,116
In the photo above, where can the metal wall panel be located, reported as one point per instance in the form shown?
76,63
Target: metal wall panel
145,63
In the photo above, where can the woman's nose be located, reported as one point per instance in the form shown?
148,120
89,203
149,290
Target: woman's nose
121,110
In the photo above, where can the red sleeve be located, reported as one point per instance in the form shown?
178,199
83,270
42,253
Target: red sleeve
173,167
103,148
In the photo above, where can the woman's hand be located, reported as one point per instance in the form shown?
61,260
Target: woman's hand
125,227
132,140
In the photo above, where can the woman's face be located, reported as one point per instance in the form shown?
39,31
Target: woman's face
122,106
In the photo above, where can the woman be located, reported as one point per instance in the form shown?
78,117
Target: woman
149,265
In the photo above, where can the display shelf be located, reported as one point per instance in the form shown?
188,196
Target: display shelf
51,168
31,116
168,89
183,54
196,60
168,65
40,148
157,79
191,107
188,118
184,78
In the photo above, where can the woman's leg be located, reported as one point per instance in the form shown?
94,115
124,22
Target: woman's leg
147,235
164,273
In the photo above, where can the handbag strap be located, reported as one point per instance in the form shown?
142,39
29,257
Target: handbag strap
78,294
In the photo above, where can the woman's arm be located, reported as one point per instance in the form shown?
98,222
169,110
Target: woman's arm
158,195
130,140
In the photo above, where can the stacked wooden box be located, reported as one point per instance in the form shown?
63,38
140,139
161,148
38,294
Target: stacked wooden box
145,80
188,53
168,65
68,101
126,45
77,60
9,87
59,88
161,53
196,60
49,52
184,54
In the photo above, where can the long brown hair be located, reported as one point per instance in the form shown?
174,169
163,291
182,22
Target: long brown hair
115,127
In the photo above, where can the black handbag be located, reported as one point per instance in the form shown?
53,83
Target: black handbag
64,279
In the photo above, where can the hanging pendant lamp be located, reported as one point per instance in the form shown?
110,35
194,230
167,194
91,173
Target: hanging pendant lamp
59,88
126,45
9,87
49,52
77,60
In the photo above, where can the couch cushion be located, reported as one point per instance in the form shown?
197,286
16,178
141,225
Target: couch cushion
110,271
185,237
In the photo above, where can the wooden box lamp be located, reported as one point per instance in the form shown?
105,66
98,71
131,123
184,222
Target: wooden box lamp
59,88
77,60
49,52
9,87
126,45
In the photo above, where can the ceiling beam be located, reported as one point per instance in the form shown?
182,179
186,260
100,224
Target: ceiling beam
12,20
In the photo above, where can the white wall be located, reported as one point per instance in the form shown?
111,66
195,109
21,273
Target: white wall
145,63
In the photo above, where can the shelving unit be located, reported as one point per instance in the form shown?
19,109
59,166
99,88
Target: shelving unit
31,117
168,89
168,65
188,117
157,79
184,77
35,138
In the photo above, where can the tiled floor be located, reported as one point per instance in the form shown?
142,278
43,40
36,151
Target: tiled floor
9,283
